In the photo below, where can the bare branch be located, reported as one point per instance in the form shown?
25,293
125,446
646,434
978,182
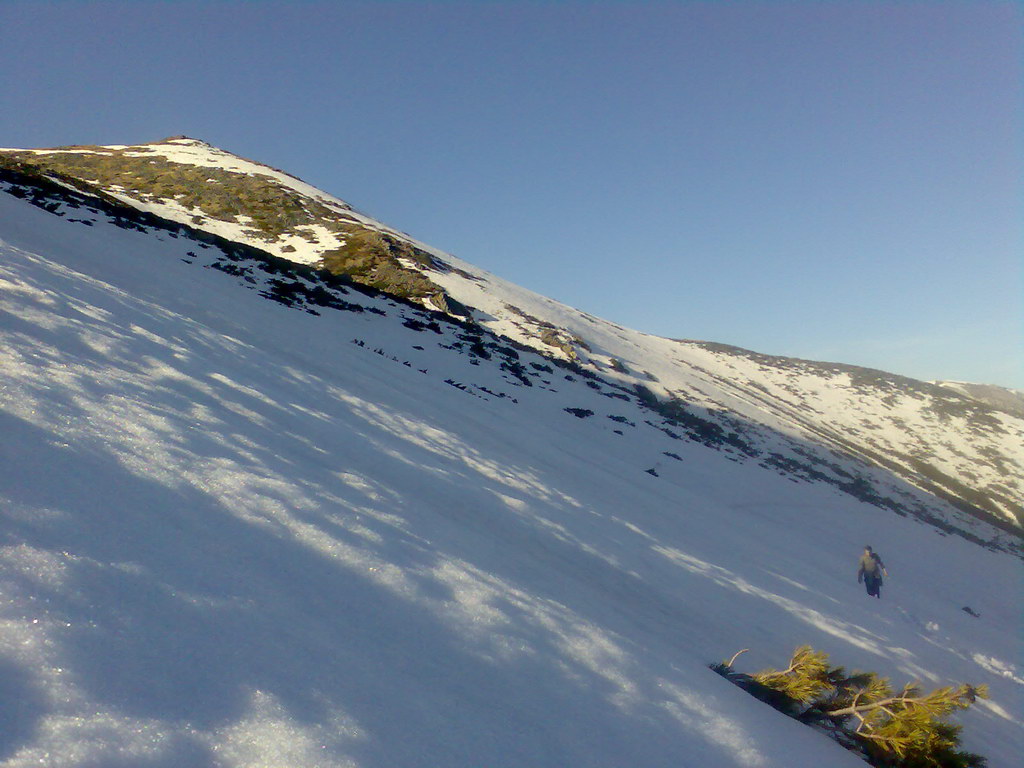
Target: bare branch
735,656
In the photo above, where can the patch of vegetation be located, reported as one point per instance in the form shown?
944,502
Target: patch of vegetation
299,285
419,325
266,208
951,487
376,258
553,337
272,208
862,711
579,413
698,428
517,371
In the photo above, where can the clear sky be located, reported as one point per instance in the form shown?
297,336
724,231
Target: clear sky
839,181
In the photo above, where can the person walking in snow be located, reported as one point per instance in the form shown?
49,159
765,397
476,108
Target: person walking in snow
870,572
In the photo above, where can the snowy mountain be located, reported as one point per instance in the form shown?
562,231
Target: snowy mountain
941,440
405,513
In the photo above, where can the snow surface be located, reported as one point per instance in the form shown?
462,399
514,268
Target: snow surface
232,537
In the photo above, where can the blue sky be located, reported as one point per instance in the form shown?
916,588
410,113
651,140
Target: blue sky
833,180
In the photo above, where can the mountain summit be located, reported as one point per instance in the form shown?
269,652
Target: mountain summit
282,486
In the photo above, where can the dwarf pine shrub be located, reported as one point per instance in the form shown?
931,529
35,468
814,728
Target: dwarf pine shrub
892,729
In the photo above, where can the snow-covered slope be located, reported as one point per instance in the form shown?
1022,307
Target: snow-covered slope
334,529
936,438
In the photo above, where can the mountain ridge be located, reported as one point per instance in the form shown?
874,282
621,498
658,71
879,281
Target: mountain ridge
841,407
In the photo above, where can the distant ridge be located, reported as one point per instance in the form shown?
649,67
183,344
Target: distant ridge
1005,399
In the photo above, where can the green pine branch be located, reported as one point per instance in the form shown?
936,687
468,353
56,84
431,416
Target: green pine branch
903,729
